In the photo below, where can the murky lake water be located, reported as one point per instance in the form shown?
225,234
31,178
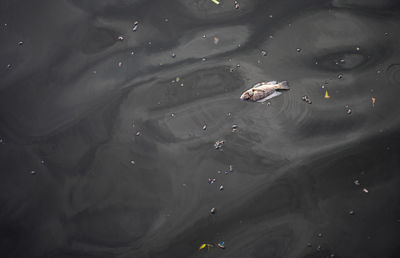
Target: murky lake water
107,132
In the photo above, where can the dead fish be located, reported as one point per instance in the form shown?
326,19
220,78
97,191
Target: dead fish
263,91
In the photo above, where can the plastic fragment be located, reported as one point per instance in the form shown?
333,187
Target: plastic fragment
215,1
326,95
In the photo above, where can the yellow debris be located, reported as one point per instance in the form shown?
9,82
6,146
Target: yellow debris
327,95
373,101
205,245
215,1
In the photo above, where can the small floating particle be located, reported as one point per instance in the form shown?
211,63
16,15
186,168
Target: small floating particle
357,182
138,133
326,95
215,1
205,245
309,245
298,50
306,99
213,211
135,26
234,128
221,245
264,53
319,234
365,190
373,101
348,110
270,16
216,40
351,212
357,48
9,66
119,64
120,38
166,20
133,162
230,168
221,187
236,4
20,43
173,55
33,172
204,127
218,144
340,76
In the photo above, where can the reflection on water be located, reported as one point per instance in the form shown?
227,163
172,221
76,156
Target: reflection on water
75,93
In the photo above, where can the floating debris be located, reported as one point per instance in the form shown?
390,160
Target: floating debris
357,48
340,76
137,133
215,1
373,101
365,190
205,245
173,55
351,212
120,38
230,168
309,245
9,66
211,181
234,128
20,43
119,64
33,172
326,95
213,211
306,99
204,127
218,144
221,245
357,182
298,50
348,110
236,5
221,187
319,234
216,40
133,162
264,53
135,26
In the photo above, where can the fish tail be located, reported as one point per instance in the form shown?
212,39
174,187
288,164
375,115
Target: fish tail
283,85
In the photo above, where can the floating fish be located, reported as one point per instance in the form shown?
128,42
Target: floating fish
263,91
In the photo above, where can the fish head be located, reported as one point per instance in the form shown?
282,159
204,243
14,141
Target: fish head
247,95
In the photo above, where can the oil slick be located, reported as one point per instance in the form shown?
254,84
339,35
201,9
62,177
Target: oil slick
263,91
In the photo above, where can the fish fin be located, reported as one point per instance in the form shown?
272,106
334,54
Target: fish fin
283,85
273,95
258,85
272,82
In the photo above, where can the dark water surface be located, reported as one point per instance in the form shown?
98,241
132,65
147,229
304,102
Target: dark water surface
103,152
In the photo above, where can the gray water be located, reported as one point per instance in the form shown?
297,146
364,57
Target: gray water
103,152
